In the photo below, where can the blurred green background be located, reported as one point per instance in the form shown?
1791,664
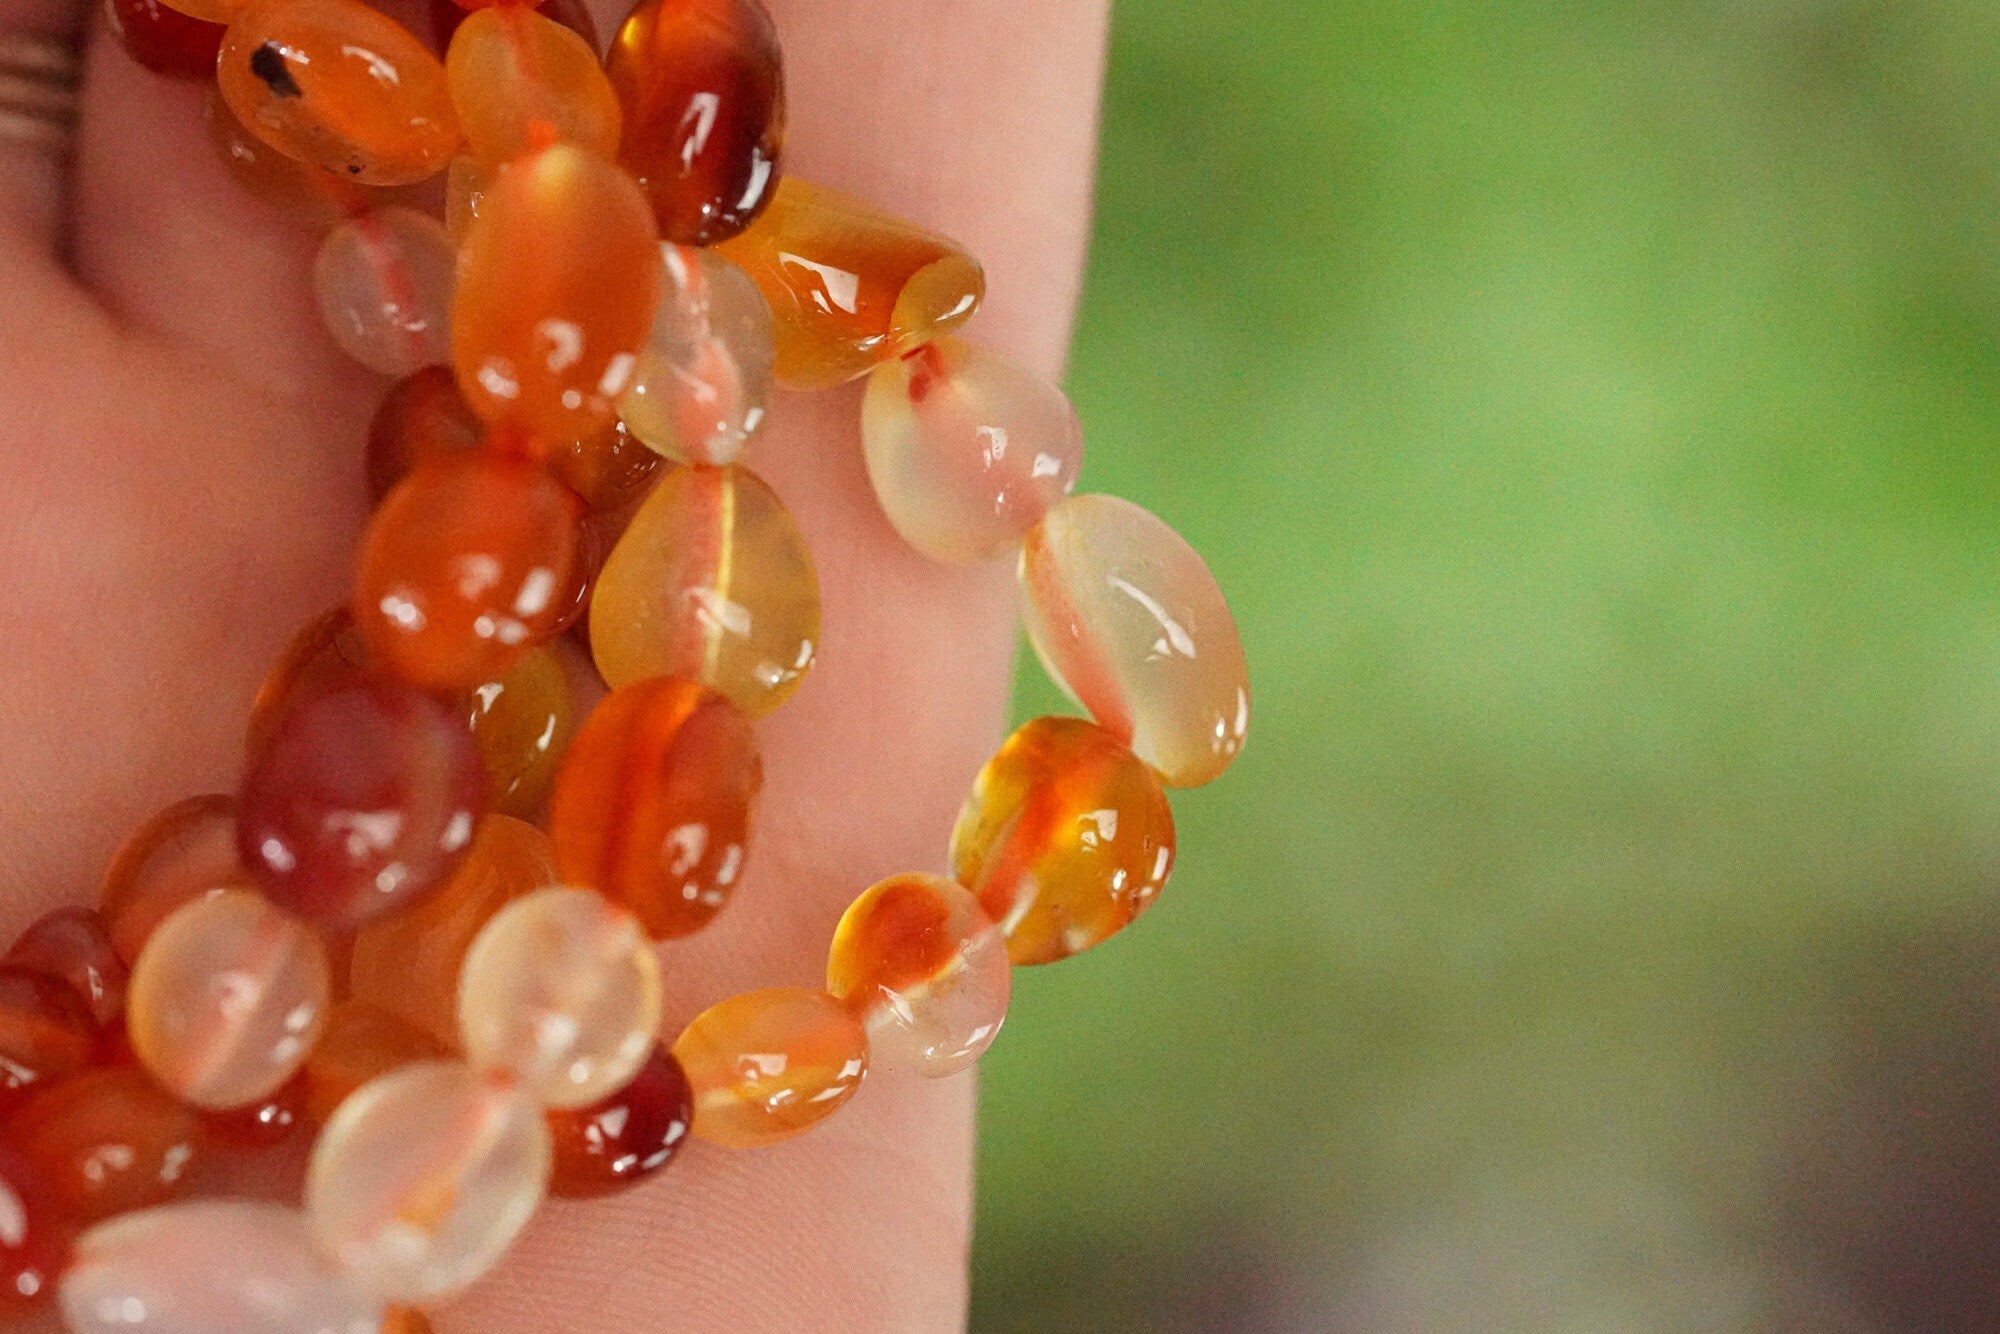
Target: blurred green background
1593,414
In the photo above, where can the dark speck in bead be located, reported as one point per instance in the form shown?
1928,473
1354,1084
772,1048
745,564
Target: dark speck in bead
267,62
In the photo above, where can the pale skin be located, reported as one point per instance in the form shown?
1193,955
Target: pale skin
183,490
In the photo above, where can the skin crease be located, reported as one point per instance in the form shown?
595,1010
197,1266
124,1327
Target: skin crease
183,490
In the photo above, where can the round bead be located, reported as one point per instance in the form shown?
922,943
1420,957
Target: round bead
165,41
106,1140
652,805
46,1030
713,583
263,1124
227,999
183,853
209,1266
704,377
1127,618
516,76
625,1137
562,990
609,470
769,1064
364,799
361,1043
74,946
328,652
966,449
340,86
1065,839
422,417
35,1237
424,1177
522,721
926,969
384,279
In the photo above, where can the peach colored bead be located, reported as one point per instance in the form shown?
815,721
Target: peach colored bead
424,1177
523,721
74,946
185,852
713,583
384,280
966,449
562,990
516,76
210,1267
769,1064
926,969
227,999
1125,615
704,377
361,1043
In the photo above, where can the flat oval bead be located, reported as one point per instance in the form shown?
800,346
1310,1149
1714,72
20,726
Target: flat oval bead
46,1030
210,11
1127,618
383,280
422,417
515,75
560,989
303,193
966,449
227,999
424,1177
626,1136
73,945
523,720
767,1065
106,1141
35,1237
340,86
712,583
165,41
1066,838
850,286
703,379
361,1043
185,852
446,15
547,347
210,1267
926,969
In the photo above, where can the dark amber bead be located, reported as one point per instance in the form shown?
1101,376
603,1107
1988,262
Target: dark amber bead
186,851
74,946
523,722
609,469
422,417
621,1140
365,798
107,1140
703,88
360,1042
327,653
46,1030
165,40
35,1237
264,1124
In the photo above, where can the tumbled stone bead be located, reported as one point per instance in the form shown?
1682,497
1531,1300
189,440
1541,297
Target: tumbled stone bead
405,1320
340,86
227,999
264,1123
446,15
849,286
926,970
624,1137
766,1065
422,417
185,852
326,653
364,799
1127,618
306,194
966,449
210,1267
46,1030
35,1237
464,568
106,1140
560,989
165,41
383,280
713,583
361,1043
610,469
73,945
424,1177
704,376
516,76
548,346
523,720
652,804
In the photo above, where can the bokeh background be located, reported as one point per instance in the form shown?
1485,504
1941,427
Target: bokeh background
1593,413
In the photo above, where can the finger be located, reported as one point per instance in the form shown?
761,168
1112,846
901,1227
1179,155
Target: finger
38,97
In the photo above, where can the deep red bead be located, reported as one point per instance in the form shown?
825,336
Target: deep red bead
625,1138
74,946
165,40
107,1140
264,1124
35,1236
45,1030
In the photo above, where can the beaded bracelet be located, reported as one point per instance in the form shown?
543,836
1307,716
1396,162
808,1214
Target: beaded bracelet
426,923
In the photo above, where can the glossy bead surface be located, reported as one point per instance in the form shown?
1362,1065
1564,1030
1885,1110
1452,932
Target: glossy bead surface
383,280
340,86
560,989
302,192
652,805
424,1177
704,377
210,1267
1127,618
446,15
106,1140
713,583
610,469
966,449
211,11
46,1030
548,346
702,84
523,721
515,75
35,1237
766,1065
622,1139
422,417
186,851
926,970
73,945
1065,839
326,653
464,569
361,1043
466,182
850,286
165,41
364,799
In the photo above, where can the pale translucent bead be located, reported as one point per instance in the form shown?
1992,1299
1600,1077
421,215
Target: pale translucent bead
227,999
384,282
562,989
210,1267
466,182
425,1176
1125,615
703,380
967,449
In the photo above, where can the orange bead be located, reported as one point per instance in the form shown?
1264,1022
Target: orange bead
326,653
46,1031
361,1042
422,417
1066,838
548,346
523,721
183,853
850,286
73,945
405,1320
609,469
766,1065
209,11
305,193
519,80
464,569
107,1140
652,804
341,87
